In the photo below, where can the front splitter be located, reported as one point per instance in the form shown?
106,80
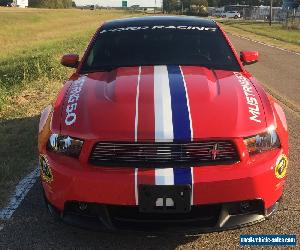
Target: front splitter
104,222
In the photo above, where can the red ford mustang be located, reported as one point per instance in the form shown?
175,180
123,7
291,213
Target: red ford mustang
161,128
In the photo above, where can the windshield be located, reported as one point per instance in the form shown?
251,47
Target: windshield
160,45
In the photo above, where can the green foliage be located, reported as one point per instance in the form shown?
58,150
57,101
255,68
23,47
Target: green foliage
276,31
51,4
170,5
199,2
4,2
42,62
219,3
176,5
32,43
38,73
296,4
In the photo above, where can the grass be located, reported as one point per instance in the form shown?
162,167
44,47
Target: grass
32,42
275,35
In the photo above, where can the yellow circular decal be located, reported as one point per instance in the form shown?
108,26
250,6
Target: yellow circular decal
45,169
281,166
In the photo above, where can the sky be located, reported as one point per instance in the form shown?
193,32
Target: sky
118,3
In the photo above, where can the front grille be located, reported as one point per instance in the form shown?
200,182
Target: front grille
160,154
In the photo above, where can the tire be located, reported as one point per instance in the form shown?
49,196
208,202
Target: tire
236,17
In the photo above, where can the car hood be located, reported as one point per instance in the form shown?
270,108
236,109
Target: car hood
161,103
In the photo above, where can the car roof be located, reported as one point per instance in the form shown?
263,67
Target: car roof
160,20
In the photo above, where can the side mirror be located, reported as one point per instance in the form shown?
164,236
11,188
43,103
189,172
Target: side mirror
70,60
249,57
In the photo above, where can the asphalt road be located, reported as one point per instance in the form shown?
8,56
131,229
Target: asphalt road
32,228
277,69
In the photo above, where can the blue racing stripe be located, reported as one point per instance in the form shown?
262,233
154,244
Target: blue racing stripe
180,119
180,112
182,175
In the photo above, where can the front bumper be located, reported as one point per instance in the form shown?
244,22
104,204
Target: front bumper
73,180
107,191
201,219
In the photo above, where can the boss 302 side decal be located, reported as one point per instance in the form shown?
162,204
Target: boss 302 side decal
72,101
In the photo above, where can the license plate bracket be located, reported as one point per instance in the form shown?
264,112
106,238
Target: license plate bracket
164,198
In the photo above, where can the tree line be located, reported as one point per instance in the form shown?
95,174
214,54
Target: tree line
177,5
218,3
51,4
182,5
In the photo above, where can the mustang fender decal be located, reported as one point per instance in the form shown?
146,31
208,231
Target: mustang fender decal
250,97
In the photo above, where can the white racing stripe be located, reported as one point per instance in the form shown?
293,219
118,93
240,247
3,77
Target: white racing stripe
192,193
163,119
136,122
162,105
191,128
136,192
164,176
188,104
22,189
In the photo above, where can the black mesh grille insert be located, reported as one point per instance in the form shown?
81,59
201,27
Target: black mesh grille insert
163,154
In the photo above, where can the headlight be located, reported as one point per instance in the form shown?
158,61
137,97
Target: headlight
65,144
262,142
